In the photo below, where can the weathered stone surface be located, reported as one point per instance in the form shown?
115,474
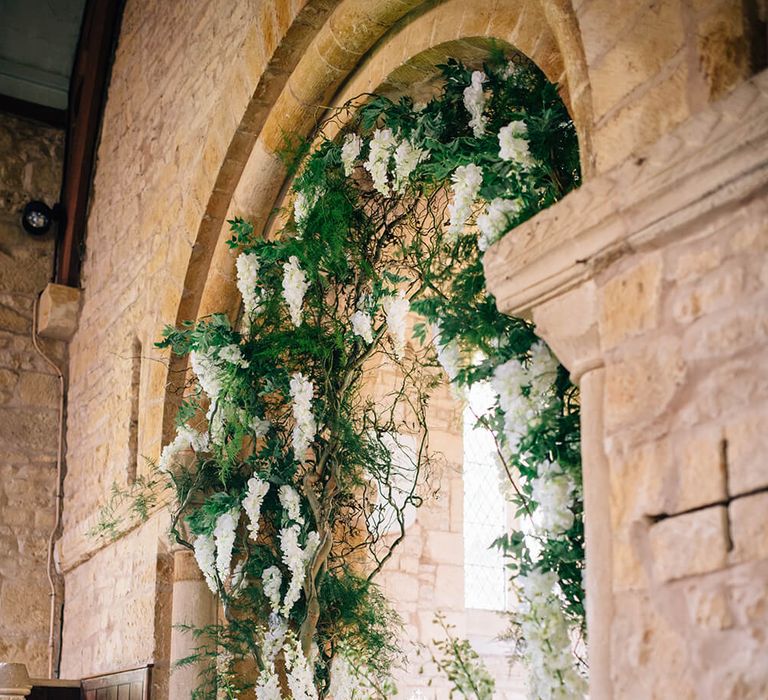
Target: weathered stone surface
629,302
690,544
749,527
747,435
58,312
30,168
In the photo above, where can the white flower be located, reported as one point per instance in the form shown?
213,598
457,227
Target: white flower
271,581
345,684
185,439
224,536
508,382
259,426
361,325
295,286
396,309
553,491
448,353
208,372
268,686
350,150
299,676
247,282
474,101
513,143
295,558
305,426
205,556
495,220
254,497
233,354
552,667
407,157
291,502
543,373
382,144
467,180
302,206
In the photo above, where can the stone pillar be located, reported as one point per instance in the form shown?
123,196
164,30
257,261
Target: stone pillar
569,324
14,681
194,605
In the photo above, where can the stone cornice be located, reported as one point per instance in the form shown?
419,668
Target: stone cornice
716,159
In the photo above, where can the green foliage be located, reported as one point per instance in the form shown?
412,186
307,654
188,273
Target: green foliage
456,659
357,249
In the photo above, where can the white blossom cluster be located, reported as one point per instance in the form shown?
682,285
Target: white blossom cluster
233,355
361,325
344,682
268,685
474,101
291,502
299,675
448,352
382,144
271,581
248,282
508,381
205,556
305,426
295,286
466,180
553,675
208,373
186,439
224,538
295,558
553,491
396,309
407,157
302,207
513,143
252,502
350,150
494,221
543,373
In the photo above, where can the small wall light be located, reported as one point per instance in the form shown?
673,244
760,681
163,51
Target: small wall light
38,217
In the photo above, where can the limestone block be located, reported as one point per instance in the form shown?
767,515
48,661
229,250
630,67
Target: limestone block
641,387
747,435
749,527
58,312
709,609
629,302
717,290
700,470
690,544
656,35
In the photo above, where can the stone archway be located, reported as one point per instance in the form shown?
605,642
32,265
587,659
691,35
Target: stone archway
330,58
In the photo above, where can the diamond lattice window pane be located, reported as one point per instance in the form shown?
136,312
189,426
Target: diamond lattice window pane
485,511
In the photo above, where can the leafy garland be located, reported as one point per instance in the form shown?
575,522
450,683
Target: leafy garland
293,476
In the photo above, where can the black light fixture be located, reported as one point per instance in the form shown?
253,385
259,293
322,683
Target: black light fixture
38,217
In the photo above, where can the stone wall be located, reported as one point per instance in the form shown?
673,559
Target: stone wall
200,96
656,300
31,157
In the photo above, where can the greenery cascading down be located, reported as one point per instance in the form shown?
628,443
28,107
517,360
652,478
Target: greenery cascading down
293,472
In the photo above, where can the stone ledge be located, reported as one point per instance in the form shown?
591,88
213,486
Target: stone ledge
717,158
58,312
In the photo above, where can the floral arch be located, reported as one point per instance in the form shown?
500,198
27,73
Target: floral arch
282,464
